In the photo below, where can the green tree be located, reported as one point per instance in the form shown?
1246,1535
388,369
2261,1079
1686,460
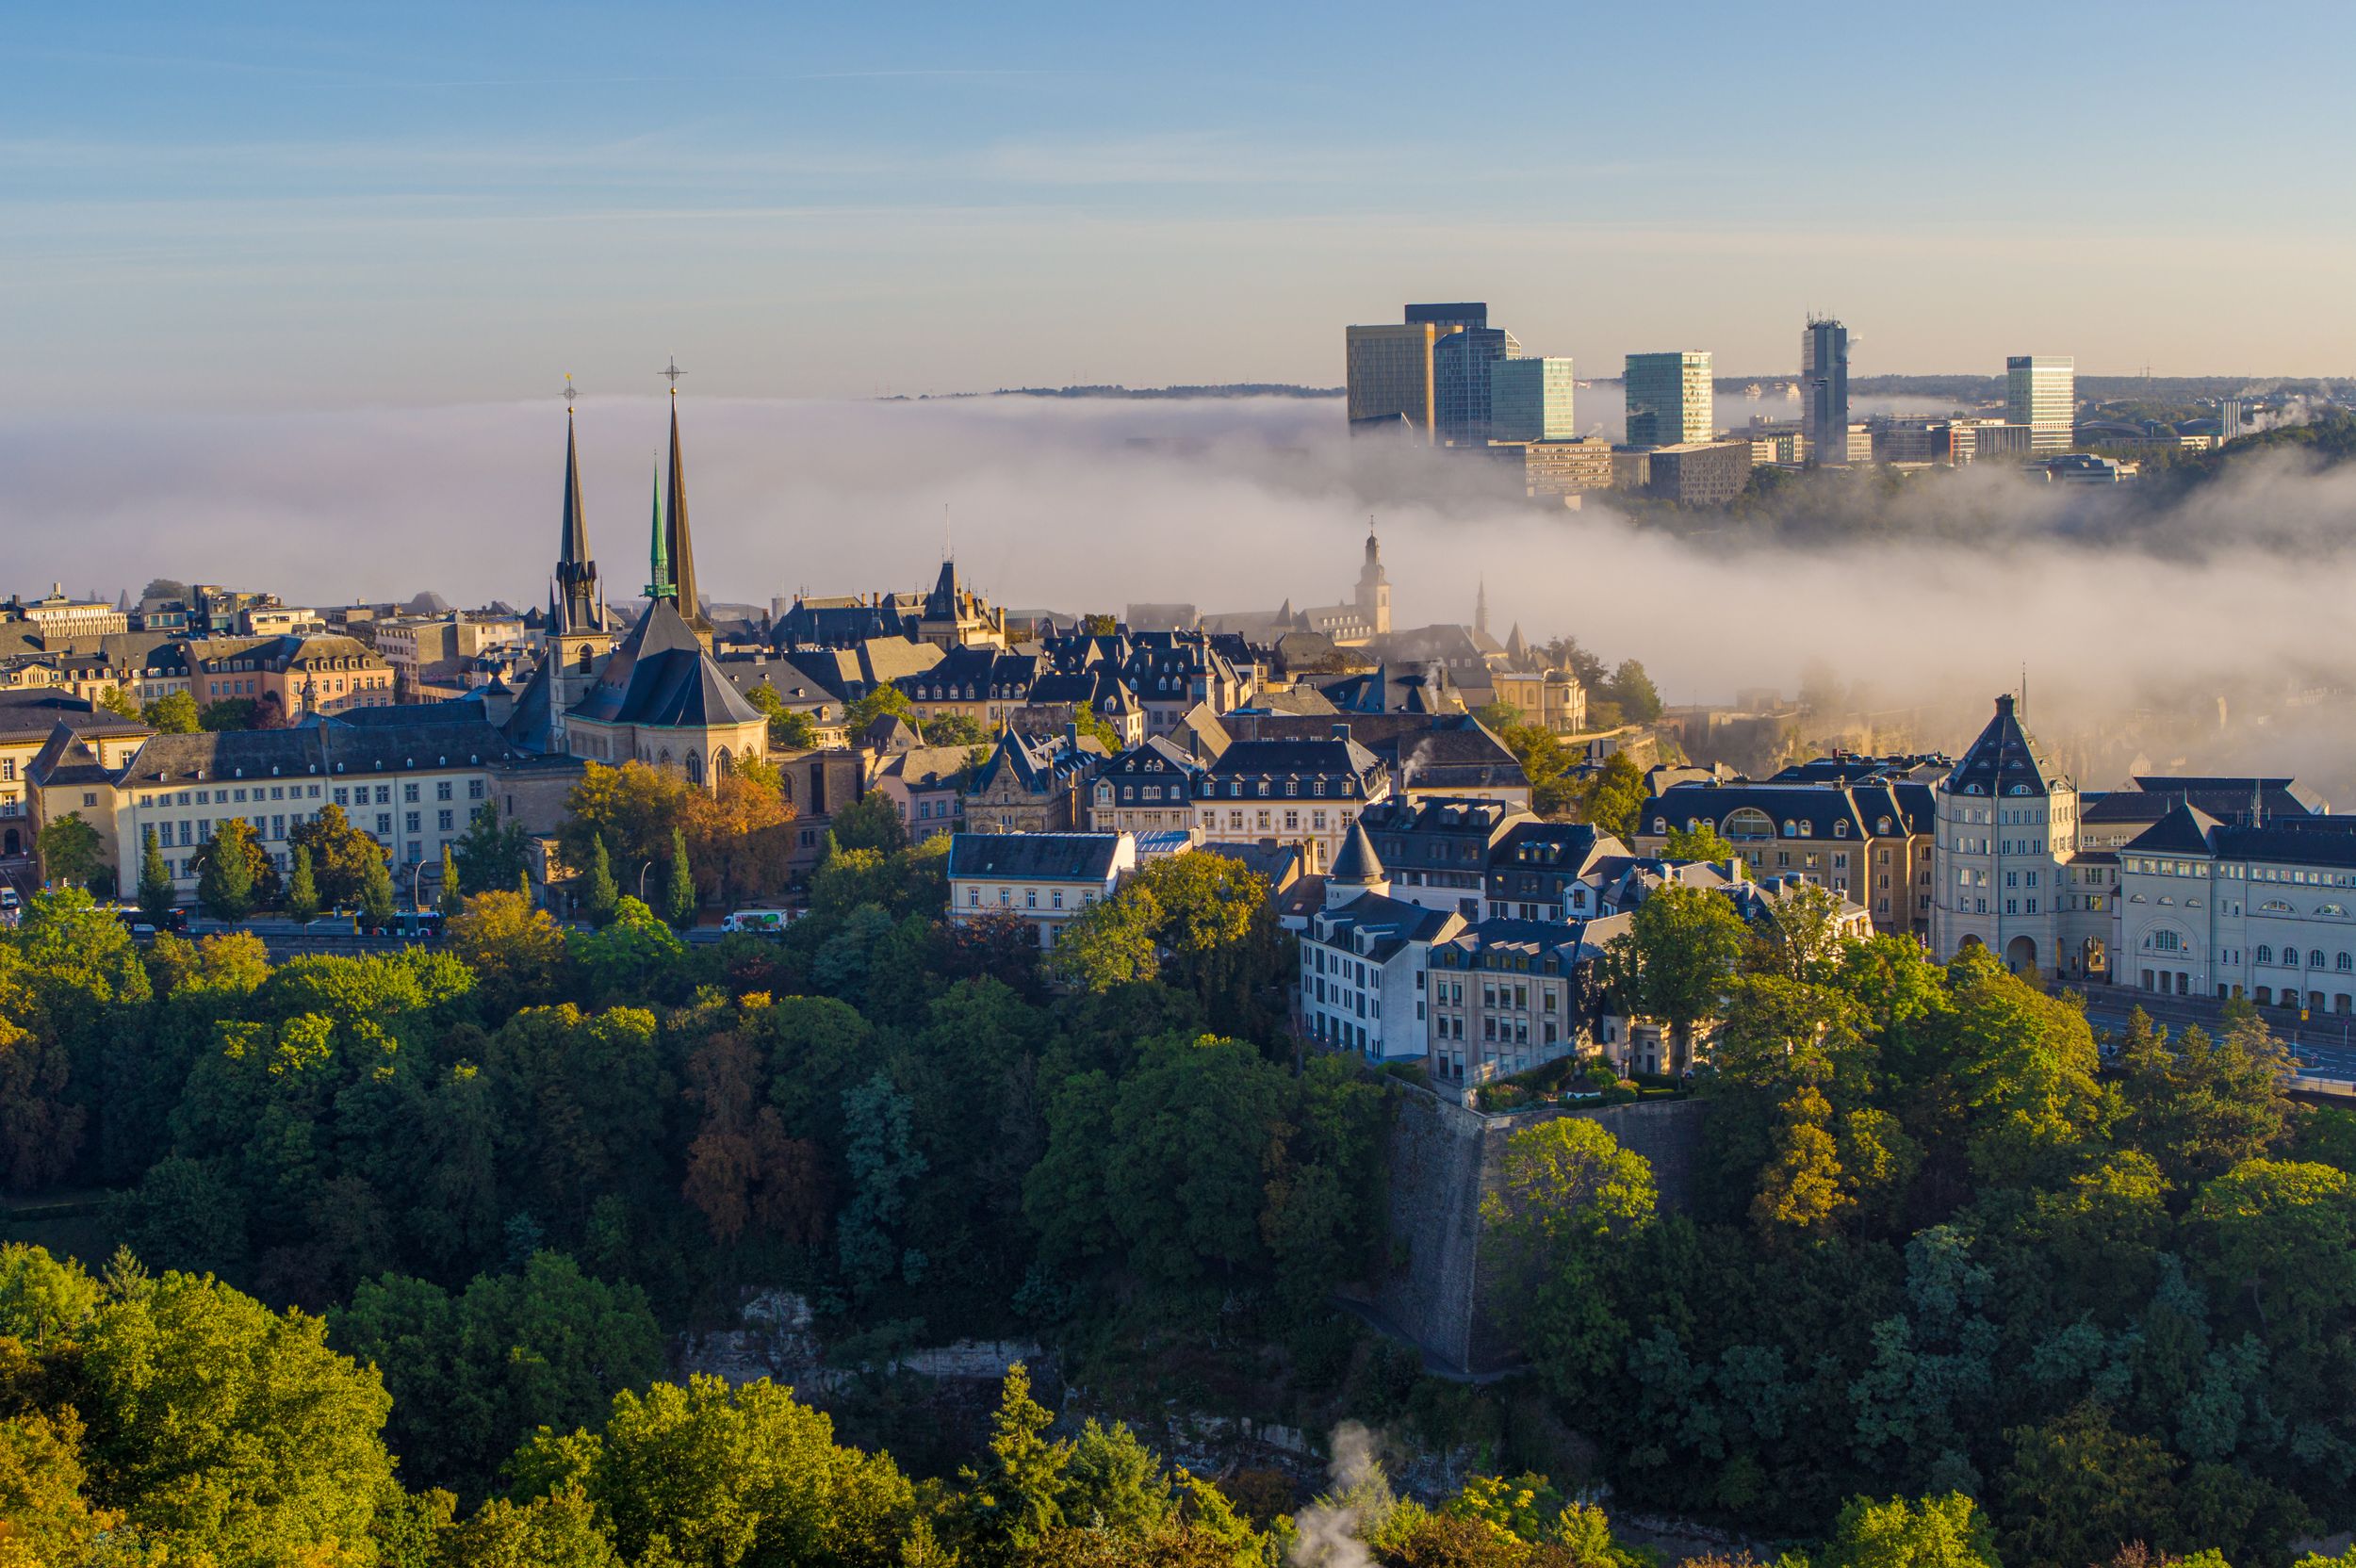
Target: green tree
871,822
1015,1498
1195,1128
491,856
956,729
341,856
228,713
220,1427
633,808
449,899
2078,1489
789,729
1700,843
157,898
1632,690
376,893
885,698
121,703
557,1530
1613,796
1801,1193
2282,1237
70,851
517,951
882,1165
1675,959
229,870
598,901
1933,1532
678,887
1564,1183
302,893
173,713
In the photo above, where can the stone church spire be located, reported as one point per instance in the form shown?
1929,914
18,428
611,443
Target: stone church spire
576,597
679,546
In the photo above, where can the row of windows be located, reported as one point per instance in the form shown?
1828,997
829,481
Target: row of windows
1030,898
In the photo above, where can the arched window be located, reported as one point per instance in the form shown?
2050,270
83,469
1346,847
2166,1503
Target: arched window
1881,825
2315,958
695,767
2265,955
722,765
1744,826
2344,963
2165,941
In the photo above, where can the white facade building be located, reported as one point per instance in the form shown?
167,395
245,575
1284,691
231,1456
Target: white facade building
1362,958
1045,879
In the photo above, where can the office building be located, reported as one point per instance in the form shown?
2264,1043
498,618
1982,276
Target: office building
1559,469
1462,362
1389,376
1824,389
1460,315
1668,398
1699,473
1530,399
2041,392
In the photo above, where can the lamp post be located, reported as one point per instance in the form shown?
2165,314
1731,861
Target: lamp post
417,877
642,880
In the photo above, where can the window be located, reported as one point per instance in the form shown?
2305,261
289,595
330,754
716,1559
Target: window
409,794
442,820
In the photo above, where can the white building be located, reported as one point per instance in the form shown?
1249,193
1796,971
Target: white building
2041,392
1362,960
2253,907
1045,879
2006,826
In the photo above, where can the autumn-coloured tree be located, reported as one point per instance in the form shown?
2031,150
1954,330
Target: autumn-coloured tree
743,1172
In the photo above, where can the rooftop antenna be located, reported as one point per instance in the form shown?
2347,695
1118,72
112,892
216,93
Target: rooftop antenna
2024,688
948,550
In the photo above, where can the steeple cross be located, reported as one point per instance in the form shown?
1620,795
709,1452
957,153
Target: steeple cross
671,373
568,389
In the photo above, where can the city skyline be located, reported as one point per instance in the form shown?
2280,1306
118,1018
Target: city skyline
434,207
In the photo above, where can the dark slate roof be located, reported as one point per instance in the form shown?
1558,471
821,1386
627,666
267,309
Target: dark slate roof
2184,830
661,677
1156,756
1439,832
2004,760
1388,923
1357,862
836,624
395,715
1336,756
1848,767
318,749
1033,856
2222,798
1424,751
1278,863
1569,944
1039,763
1560,850
1819,808
67,758
2317,841
39,709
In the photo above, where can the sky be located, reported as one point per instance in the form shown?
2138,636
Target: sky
304,207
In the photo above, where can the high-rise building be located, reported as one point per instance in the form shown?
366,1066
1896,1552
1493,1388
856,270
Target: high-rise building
1824,389
1460,365
1530,399
1389,375
1668,398
1463,312
2041,392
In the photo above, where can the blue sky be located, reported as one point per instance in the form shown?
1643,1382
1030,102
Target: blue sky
323,205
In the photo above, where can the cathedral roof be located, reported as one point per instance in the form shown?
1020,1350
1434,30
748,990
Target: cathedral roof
662,676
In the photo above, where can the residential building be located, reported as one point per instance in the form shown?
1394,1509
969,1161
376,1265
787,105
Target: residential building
1564,471
927,785
1306,792
1437,852
1044,879
1504,996
1362,957
1150,787
316,674
1531,400
1462,366
1824,388
984,684
1669,399
954,617
1553,700
1535,869
1033,783
1171,671
2041,392
1709,473
2249,907
29,718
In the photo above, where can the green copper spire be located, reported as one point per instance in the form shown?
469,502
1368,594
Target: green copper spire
660,588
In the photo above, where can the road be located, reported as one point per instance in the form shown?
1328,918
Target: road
2324,1045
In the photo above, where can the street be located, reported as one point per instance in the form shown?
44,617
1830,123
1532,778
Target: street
2325,1045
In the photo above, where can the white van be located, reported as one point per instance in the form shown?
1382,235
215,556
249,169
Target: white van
764,922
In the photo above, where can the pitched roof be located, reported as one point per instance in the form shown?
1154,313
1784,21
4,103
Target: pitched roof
38,710
1387,925
319,749
2004,760
1357,862
1034,856
661,677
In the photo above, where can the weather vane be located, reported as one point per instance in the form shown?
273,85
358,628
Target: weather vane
672,372
568,389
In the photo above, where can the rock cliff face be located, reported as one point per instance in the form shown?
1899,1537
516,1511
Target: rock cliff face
1442,1159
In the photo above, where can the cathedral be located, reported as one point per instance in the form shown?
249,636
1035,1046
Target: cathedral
651,692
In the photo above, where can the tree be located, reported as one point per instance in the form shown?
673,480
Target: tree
871,822
737,836
173,713
633,808
1674,960
489,854
376,894
882,1165
1800,1192
956,729
1015,1498
302,893
1613,796
157,898
2077,1489
1700,843
449,899
882,699
678,886
1565,1183
2281,1237
597,900
1935,1532
341,856
1800,939
516,951
120,702
1633,691
1091,725
229,871
221,1429
70,851
227,713
789,729
1195,1127
1545,763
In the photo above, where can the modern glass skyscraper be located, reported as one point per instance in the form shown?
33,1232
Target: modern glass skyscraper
1461,363
1669,399
1389,374
2041,392
1824,387
1530,399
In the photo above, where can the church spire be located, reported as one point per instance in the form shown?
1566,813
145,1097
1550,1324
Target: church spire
659,575
682,548
576,597
1481,608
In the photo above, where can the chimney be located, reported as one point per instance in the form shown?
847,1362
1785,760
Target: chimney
1071,734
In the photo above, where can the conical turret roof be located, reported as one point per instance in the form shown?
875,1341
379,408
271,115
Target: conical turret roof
1358,863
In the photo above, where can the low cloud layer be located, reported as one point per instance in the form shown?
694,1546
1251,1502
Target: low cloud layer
1937,593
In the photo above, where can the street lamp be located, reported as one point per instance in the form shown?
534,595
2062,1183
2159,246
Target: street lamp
642,880
416,875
